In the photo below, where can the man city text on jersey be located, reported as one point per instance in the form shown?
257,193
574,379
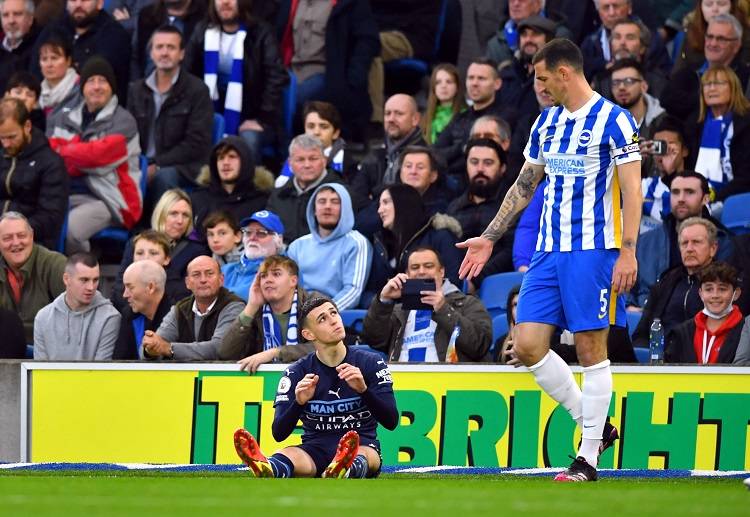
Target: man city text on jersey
581,152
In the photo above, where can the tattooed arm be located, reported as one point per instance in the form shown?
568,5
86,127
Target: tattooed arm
479,249
518,196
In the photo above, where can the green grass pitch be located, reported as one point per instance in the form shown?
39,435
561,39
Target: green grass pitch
143,494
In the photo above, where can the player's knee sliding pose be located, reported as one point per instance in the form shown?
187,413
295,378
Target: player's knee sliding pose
585,253
340,395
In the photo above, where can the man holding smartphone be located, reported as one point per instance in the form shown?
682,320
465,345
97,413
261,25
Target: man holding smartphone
420,316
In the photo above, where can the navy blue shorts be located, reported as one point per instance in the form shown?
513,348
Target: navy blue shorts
322,453
571,290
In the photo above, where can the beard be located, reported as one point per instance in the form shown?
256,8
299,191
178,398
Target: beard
629,104
328,226
86,21
484,189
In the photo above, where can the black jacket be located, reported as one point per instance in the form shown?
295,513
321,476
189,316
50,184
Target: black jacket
151,18
415,19
351,42
291,206
263,75
182,129
19,58
739,152
35,183
678,347
105,37
126,347
248,196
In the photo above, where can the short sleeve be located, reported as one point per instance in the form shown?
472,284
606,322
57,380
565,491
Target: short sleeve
534,152
624,139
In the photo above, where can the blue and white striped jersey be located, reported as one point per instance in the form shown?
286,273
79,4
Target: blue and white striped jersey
580,152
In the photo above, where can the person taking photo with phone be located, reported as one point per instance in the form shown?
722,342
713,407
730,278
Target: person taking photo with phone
437,323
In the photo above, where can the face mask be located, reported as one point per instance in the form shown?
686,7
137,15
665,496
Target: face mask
725,312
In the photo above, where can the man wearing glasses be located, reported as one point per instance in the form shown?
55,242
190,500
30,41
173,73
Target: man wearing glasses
262,236
630,91
194,327
722,46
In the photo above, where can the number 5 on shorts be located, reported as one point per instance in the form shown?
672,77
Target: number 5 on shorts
603,299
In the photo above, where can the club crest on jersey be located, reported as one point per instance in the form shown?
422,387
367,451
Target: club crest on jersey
584,138
284,384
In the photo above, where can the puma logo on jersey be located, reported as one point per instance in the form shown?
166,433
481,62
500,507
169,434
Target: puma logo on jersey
331,392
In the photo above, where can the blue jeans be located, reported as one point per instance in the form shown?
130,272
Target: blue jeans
310,89
256,140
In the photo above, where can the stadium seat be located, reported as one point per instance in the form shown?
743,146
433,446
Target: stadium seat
63,233
642,354
369,349
217,132
354,318
736,213
494,291
499,329
116,233
633,318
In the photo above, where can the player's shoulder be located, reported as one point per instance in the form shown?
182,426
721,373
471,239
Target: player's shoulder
360,356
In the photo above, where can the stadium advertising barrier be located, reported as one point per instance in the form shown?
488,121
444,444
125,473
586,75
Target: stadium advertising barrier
669,417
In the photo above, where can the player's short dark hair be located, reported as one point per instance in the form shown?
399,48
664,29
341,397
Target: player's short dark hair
673,125
697,175
82,257
168,29
325,110
420,149
221,216
560,51
24,79
720,272
309,305
15,109
426,248
486,61
627,62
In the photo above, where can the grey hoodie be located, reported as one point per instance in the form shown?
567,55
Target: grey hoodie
61,334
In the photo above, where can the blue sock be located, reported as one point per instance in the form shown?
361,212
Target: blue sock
359,468
281,465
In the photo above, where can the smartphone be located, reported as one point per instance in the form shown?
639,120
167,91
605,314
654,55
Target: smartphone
411,297
659,147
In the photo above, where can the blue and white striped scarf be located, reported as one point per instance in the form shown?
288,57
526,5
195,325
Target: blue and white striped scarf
714,160
233,99
272,329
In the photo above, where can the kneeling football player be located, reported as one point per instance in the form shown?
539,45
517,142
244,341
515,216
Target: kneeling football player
340,394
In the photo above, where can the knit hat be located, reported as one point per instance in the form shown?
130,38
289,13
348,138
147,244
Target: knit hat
97,65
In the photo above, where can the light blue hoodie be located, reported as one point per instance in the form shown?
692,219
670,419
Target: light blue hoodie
337,265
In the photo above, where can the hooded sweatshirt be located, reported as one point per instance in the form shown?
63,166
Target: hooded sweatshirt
337,265
61,334
250,191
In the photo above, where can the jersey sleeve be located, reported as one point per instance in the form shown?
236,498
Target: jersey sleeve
379,395
287,411
534,152
623,141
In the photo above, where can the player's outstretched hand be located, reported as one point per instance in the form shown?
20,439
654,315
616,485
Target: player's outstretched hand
625,272
353,377
478,251
306,388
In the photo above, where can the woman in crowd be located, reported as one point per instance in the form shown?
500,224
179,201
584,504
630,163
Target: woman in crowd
407,225
446,98
60,85
323,121
713,335
720,131
173,216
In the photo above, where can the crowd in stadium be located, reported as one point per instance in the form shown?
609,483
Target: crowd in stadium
243,155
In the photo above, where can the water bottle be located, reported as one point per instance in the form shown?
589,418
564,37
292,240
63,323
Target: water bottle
656,342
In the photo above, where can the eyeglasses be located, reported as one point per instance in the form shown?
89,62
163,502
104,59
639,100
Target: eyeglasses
628,81
260,234
709,84
722,40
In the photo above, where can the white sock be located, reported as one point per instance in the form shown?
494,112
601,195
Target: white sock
597,393
555,377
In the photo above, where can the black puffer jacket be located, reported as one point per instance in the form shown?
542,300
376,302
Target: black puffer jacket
35,183
183,128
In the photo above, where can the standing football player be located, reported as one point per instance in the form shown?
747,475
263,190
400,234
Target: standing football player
340,394
585,253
